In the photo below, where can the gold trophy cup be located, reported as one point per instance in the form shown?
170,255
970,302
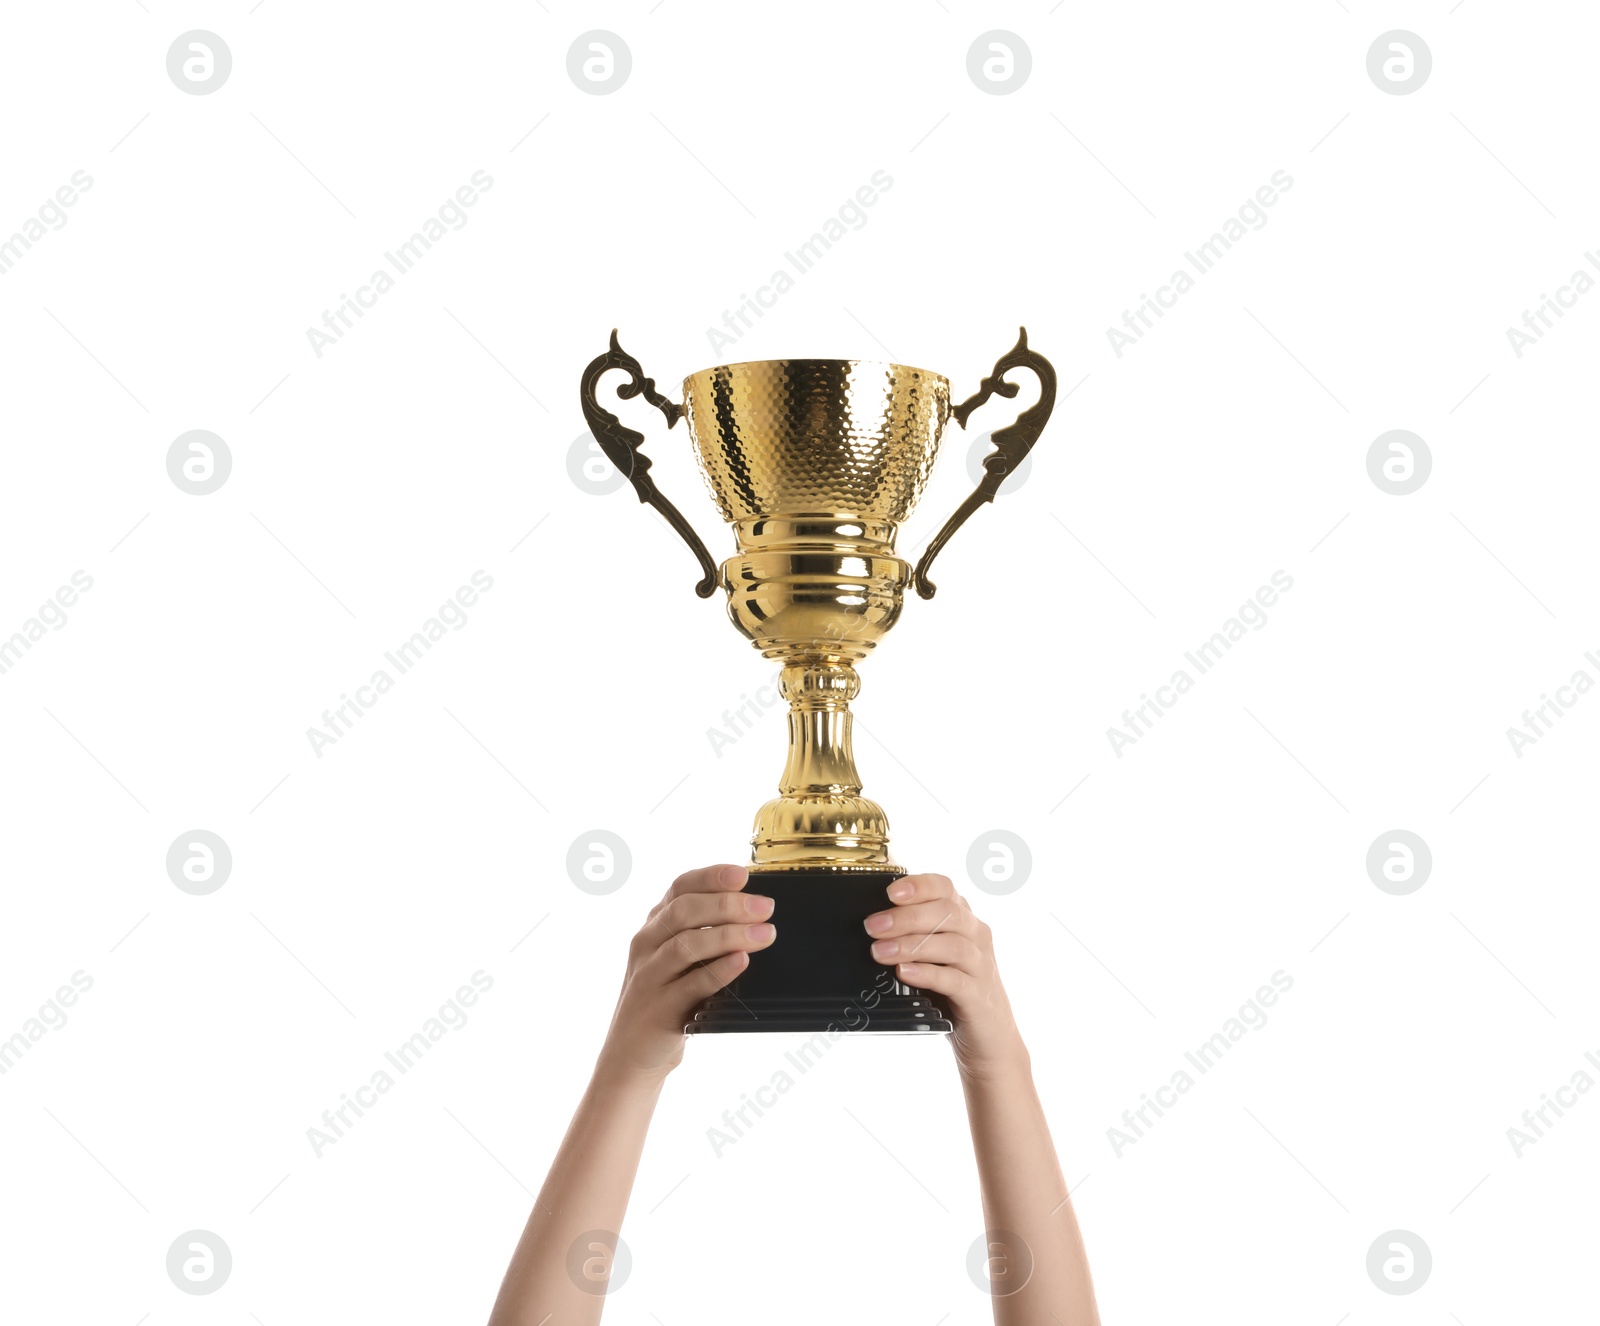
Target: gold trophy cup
816,463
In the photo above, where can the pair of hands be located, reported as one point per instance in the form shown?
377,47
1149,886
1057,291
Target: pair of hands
703,931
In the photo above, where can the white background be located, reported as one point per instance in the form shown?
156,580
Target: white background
431,442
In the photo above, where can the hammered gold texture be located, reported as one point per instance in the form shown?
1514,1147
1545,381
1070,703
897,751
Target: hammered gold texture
816,436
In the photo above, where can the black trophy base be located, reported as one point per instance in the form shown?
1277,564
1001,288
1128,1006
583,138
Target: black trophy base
819,975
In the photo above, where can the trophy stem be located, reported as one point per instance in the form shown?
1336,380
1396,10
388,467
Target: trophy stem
819,819
822,760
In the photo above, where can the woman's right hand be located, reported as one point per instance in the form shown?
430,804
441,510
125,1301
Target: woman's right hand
695,940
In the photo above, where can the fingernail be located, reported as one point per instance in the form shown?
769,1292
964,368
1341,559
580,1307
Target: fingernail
760,934
756,905
901,891
884,949
733,875
878,923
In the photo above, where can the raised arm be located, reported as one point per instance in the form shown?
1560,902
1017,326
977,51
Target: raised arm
696,940
1036,1263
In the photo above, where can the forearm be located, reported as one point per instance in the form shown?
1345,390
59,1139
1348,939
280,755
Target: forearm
1025,1197
587,1189
695,940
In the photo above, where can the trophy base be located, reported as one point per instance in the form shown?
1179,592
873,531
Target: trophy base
819,975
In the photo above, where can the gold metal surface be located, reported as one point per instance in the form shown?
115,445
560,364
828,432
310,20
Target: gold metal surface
816,436
815,463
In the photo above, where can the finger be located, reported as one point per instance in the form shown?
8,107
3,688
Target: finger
696,946
950,981
689,911
920,888
950,949
707,879
918,918
707,979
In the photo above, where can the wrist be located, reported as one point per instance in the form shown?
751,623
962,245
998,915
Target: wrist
617,1071
1004,1066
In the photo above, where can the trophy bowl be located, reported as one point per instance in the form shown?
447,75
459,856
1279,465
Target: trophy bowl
815,464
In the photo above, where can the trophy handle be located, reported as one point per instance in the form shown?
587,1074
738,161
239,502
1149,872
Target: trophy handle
1011,444
623,446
